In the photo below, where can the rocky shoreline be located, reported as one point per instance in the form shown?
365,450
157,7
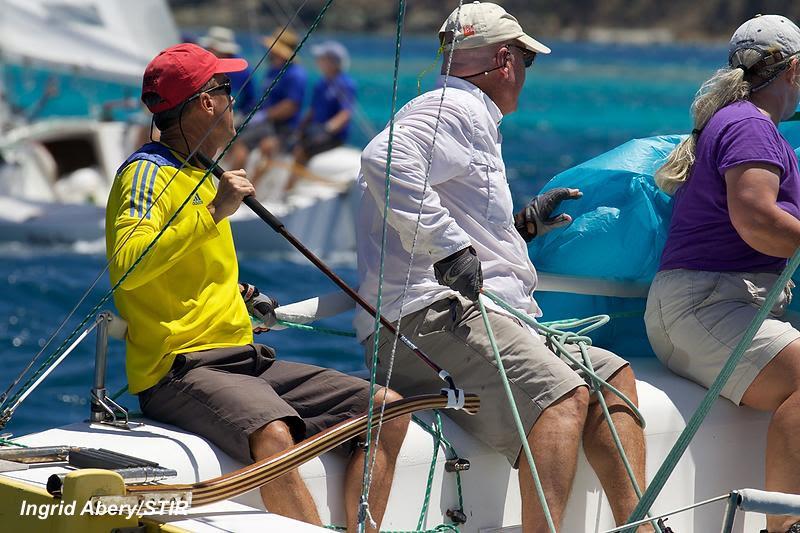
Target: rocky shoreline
632,21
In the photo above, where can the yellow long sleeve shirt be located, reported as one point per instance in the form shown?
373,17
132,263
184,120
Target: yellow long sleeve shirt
183,296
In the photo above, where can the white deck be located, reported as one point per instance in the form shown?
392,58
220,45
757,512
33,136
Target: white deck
726,454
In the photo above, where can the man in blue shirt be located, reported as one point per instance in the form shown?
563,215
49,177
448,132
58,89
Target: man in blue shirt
327,122
275,124
285,102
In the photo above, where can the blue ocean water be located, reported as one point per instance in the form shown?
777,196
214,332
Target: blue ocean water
578,102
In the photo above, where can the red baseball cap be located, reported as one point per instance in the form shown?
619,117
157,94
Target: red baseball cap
180,71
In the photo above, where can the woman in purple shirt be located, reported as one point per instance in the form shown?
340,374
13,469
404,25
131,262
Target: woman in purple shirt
736,186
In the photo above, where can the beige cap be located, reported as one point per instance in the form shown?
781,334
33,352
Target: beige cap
483,23
283,43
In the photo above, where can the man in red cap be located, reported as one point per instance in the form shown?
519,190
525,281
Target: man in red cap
190,351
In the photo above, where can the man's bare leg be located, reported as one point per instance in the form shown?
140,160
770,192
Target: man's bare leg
602,453
392,435
287,495
554,441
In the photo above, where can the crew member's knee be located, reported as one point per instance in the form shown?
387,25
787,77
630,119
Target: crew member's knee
394,432
569,410
270,439
624,379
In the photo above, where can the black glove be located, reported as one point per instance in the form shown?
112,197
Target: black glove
537,218
260,306
461,272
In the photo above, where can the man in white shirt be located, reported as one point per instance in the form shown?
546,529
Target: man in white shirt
468,237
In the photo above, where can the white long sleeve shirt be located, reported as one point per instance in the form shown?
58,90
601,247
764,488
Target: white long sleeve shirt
467,202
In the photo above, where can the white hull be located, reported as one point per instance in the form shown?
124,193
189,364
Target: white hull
726,454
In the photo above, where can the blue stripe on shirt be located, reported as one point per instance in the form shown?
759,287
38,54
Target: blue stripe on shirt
133,187
142,187
150,191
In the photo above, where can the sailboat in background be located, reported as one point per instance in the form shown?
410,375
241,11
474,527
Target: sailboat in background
55,173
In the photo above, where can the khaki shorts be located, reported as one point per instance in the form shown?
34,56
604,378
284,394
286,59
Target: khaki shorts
451,332
225,394
695,320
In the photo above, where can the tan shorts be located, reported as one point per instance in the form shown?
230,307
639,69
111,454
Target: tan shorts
452,333
695,319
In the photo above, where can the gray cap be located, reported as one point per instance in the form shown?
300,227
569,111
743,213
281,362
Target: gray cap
764,37
333,50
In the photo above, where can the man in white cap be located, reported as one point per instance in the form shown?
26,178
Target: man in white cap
468,238
221,42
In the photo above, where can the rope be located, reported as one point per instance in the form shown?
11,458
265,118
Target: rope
439,440
558,340
108,294
9,442
714,390
426,179
517,420
598,389
367,476
119,393
316,329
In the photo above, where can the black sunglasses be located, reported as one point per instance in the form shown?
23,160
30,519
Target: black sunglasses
528,57
224,86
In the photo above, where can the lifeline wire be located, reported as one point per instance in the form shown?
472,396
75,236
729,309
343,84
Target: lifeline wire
426,180
363,512
6,414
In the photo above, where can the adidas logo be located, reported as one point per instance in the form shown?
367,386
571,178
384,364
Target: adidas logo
197,200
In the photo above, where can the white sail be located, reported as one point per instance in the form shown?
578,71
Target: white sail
109,39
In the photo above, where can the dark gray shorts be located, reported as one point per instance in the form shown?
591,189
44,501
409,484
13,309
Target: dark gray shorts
452,333
226,394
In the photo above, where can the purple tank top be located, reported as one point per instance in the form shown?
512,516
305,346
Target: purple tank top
701,235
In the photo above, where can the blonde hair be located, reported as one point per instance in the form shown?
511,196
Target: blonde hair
726,86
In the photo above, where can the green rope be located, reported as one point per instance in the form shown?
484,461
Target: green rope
598,389
366,481
119,393
714,390
8,442
316,329
200,182
448,447
558,338
431,471
517,420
